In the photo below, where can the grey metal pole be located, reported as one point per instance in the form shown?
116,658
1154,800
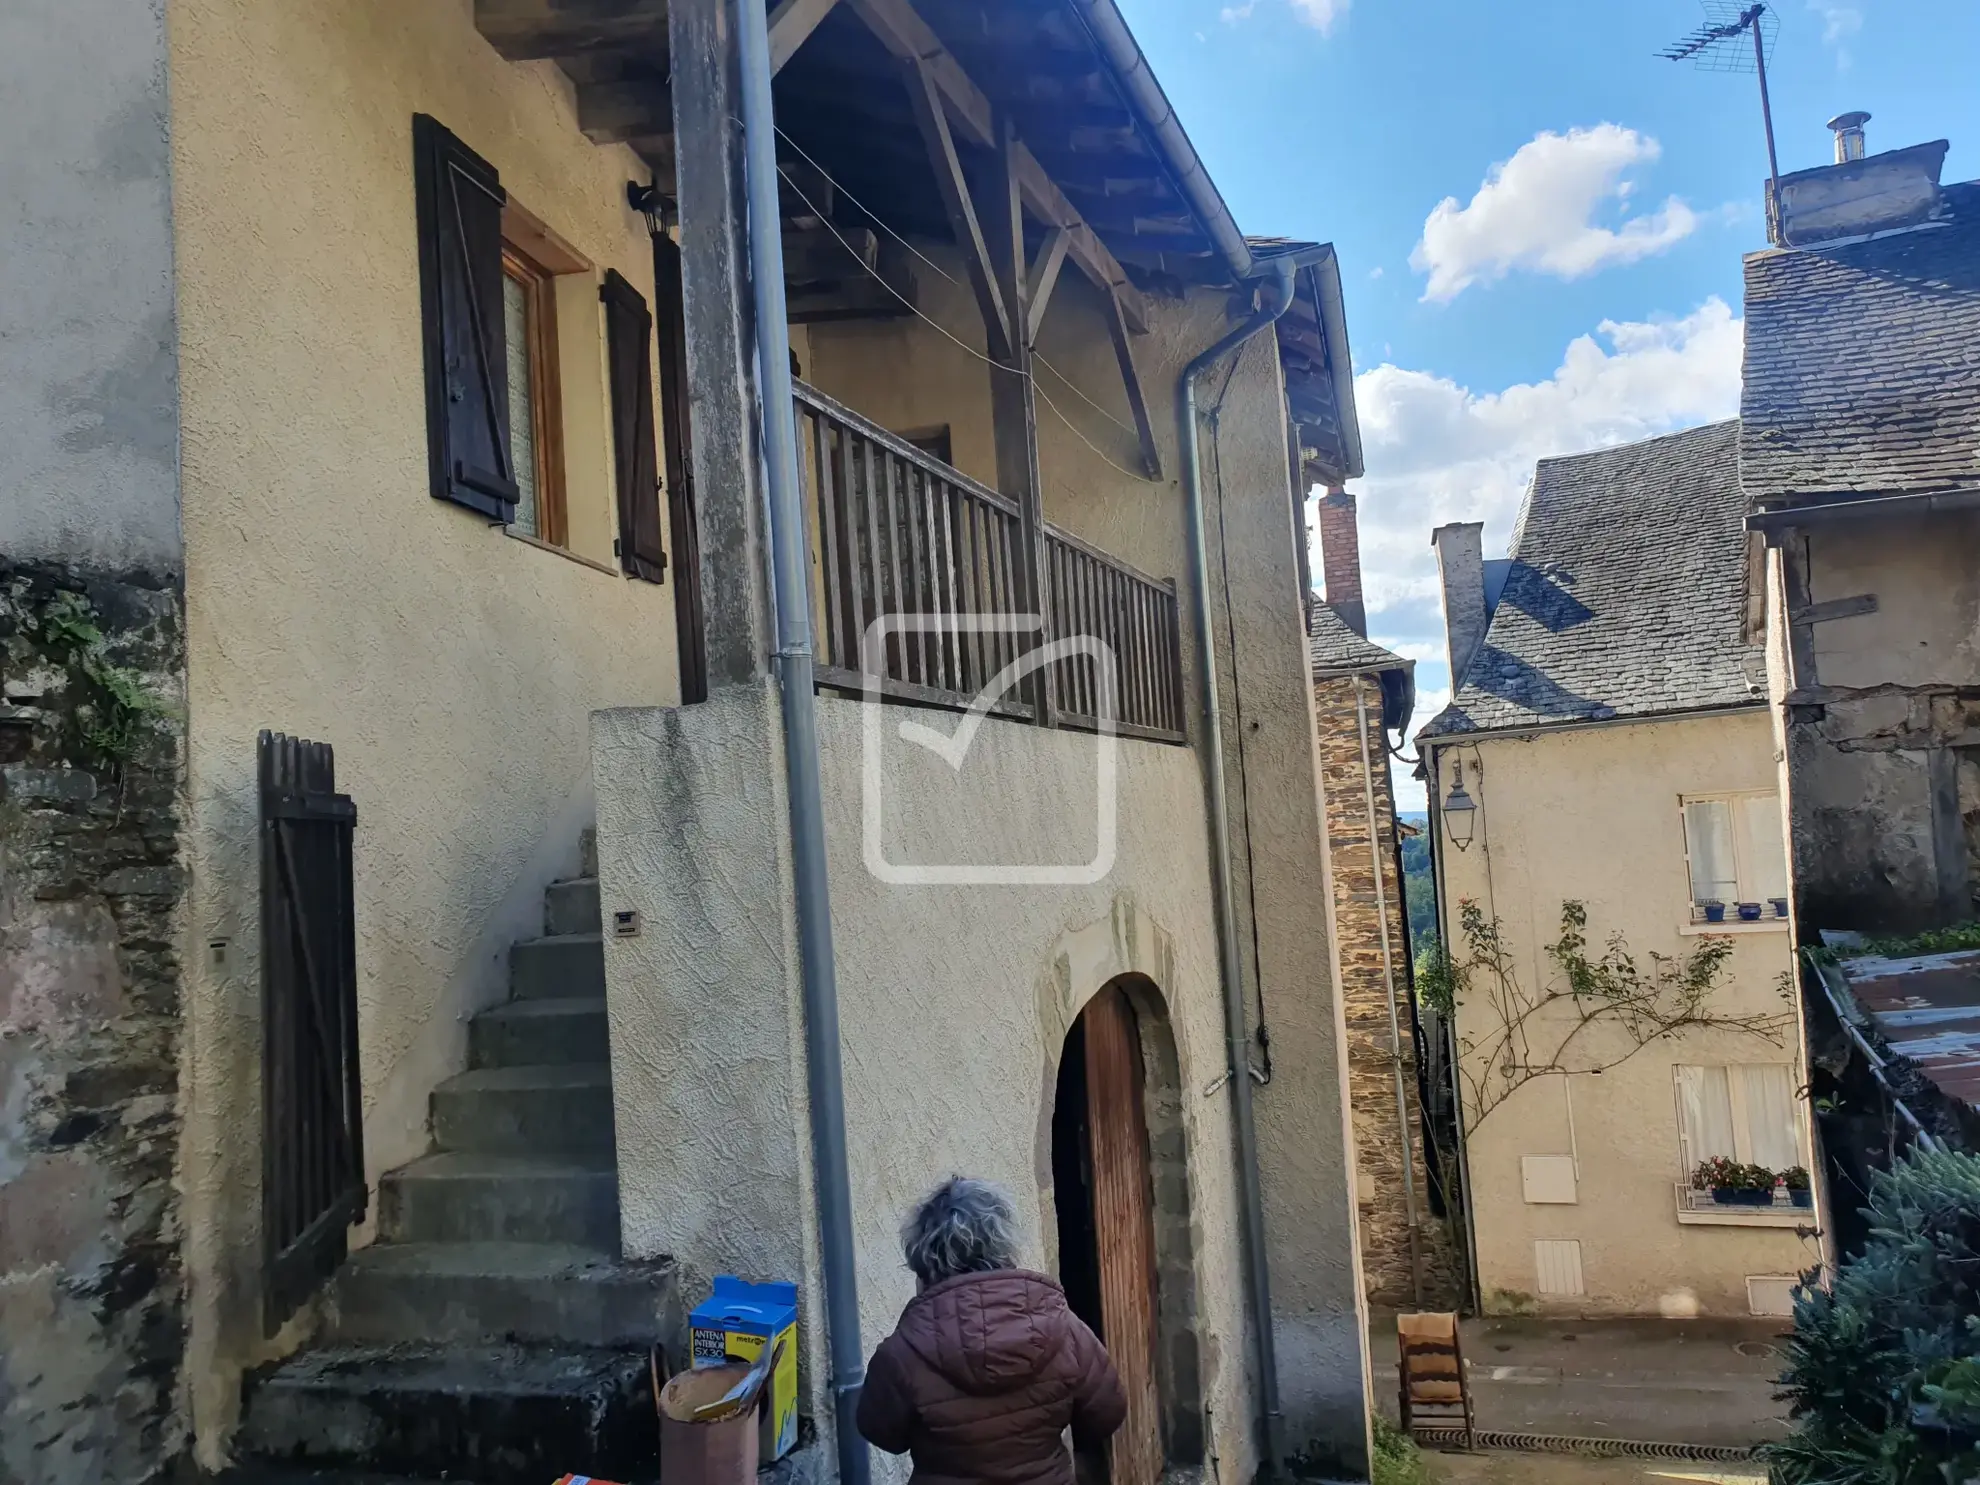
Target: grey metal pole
791,575
1775,228
1236,1037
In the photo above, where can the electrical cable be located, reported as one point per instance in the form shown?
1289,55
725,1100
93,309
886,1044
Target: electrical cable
878,221
915,310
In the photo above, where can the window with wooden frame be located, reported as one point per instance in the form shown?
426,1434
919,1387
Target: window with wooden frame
529,322
1734,849
539,397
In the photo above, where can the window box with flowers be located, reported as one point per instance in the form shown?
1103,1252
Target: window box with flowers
1734,1183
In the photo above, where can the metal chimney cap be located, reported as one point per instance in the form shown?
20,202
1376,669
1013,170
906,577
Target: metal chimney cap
1843,121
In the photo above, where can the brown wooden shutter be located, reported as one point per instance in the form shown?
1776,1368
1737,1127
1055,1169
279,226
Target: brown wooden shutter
460,201
683,524
629,354
1124,1218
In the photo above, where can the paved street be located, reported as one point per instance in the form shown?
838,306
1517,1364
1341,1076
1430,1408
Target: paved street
1543,1469
1693,1382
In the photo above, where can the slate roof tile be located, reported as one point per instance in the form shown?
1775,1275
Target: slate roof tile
1863,364
1334,647
1627,593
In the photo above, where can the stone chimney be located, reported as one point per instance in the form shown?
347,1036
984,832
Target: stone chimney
1849,136
1340,558
1461,566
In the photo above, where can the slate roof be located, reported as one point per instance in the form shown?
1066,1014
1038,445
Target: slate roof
1863,364
1626,596
1335,648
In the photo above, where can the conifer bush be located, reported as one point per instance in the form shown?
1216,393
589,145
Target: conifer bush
1883,1372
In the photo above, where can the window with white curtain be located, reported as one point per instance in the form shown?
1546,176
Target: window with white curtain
1733,843
1744,1112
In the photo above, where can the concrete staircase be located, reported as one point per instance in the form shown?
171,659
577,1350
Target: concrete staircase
492,1332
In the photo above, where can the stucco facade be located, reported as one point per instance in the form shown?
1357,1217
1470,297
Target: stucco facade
955,1000
1534,848
908,376
329,596
230,373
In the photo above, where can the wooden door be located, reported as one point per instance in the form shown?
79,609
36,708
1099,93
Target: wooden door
1123,1218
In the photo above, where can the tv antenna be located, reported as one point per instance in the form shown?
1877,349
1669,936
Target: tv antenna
1719,45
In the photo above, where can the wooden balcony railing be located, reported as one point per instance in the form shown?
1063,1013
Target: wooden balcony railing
898,533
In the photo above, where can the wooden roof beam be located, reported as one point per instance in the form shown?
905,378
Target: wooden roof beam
791,25
904,33
531,30
615,112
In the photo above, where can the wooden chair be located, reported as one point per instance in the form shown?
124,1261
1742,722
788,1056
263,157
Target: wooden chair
1431,1383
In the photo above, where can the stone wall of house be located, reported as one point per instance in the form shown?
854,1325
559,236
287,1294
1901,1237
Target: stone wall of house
1364,974
91,1296
1882,722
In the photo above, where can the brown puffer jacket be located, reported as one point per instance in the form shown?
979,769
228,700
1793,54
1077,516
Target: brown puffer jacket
982,1377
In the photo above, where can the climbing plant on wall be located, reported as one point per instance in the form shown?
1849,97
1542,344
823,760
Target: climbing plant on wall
1599,1007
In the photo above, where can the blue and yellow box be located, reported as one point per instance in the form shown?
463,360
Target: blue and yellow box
735,1323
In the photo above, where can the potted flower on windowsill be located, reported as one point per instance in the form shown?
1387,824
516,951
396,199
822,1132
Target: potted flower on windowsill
1734,1183
1711,910
1800,1189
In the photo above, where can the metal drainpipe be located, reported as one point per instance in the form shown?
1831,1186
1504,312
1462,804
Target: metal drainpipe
1395,1022
1236,1037
791,575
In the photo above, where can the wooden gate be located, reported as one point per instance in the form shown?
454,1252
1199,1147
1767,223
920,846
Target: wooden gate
312,1133
1123,1216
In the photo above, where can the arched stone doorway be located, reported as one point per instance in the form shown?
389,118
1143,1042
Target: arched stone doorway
1121,1199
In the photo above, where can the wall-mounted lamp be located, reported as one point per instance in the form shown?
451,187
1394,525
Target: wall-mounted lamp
661,212
1460,810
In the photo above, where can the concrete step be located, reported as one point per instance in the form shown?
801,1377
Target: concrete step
572,907
526,1110
536,1033
465,1293
457,1198
497,1415
566,964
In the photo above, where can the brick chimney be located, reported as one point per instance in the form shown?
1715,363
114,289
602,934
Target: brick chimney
1461,566
1340,558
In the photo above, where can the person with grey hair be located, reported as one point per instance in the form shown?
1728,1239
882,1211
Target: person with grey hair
988,1366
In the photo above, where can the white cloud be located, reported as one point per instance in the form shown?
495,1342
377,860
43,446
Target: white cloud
1437,452
1537,211
1839,23
1376,271
1321,14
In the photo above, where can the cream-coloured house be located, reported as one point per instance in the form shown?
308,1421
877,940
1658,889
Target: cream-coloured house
1609,745
386,374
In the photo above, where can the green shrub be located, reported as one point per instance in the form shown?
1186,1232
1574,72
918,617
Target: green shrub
1397,1461
1884,1371
1931,941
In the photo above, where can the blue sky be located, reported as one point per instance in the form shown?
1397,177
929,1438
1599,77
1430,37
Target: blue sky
1539,221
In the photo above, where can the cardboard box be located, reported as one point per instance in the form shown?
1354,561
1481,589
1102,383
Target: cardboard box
735,1323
